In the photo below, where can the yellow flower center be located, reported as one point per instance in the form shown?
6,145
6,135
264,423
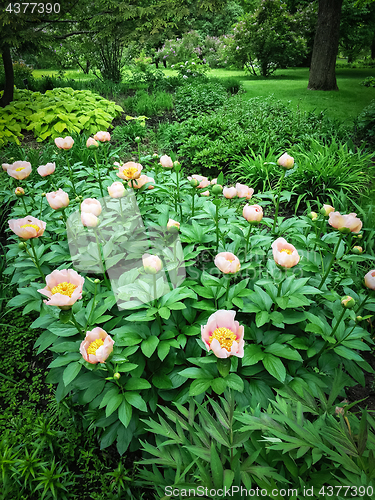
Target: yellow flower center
19,169
129,172
94,346
64,288
225,337
31,225
289,252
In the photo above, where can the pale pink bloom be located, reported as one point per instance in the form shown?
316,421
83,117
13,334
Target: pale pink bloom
284,253
116,165
5,166
91,206
370,280
63,288
203,181
28,227
286,161
130,170
91,142
345,223
89,220
244,191
58,199
166,162
97,346
47,169
151,263
140,182
227,262
223,335
102,136
327,209
150,179
205,193
19,191
253,213
229,193
214,181
19,170
64,143
116,190
173,225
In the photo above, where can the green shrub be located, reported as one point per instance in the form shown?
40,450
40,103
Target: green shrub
23,76
59,111
193,99
321,171
369,81
211,143
143,103
364,126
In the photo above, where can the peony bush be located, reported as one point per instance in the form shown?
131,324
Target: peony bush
153,286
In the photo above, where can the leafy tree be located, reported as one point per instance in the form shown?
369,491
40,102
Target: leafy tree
268,39
357,28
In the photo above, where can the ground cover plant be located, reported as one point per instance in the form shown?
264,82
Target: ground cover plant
153,289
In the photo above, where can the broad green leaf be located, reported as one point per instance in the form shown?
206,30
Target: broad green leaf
70,372
149,345
274,366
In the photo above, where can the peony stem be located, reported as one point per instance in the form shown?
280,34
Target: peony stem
70,173
99,177
332,260
24,205
278,200
192,202
107,283
227,292
247,242
77,325
35,259
217,203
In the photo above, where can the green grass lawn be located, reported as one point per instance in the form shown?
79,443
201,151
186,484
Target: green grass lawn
290,85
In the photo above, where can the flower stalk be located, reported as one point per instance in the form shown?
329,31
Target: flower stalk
278,201
332,261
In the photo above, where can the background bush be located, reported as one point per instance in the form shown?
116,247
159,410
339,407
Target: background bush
194,99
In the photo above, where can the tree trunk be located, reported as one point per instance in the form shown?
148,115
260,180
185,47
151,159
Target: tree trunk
326,44
9,77
373,48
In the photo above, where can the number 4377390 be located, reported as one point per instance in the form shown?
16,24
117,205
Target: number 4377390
40,8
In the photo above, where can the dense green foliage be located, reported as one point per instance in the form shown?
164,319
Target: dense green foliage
57,111
195,99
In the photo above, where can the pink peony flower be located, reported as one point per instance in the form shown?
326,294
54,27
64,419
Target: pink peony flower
223,335
284,253
47,169
19,170
141,181
130,170
64,143
253,213
102,136
173,225
286,161
91,206
151,263
91,143
205,193
213,181
63,288
89,220
97,346
370,280
229,193
166,162
116,190
326,210
227,262
244,191
28,227
58,199
345,223
5,166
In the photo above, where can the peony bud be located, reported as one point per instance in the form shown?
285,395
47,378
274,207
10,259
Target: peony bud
312,215
91,143
217,189
116,375
357,250
19,191
348,302
326,210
